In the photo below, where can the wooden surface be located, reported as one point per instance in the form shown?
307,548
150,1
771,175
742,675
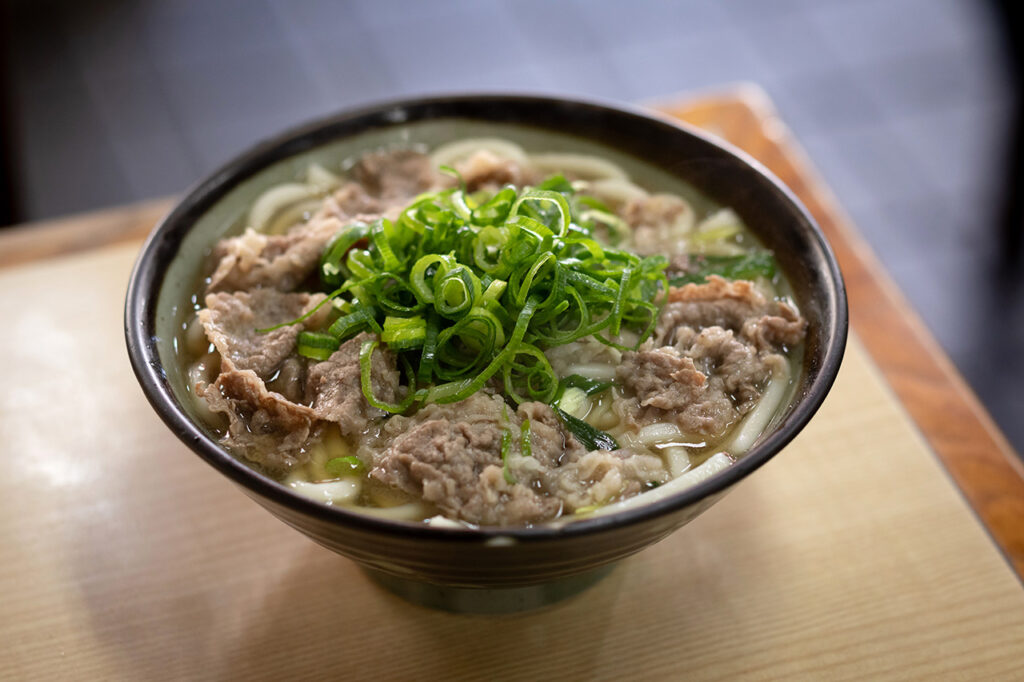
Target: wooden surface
851,555
949,414
28,243
126,557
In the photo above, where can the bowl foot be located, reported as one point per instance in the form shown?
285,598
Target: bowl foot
487,600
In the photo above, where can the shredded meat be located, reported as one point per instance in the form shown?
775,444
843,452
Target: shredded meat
486,170
290,380
283,262
395,175
736,305
264,427
657,220
715,346
600,477
662,378
231,321
333,386
550,444
450,456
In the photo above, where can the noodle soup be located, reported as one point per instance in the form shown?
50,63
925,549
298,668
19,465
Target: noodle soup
477,334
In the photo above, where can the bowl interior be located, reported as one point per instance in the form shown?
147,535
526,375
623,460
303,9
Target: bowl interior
656,154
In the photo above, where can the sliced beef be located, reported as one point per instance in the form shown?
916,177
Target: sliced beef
714,349
264,427
486,170
600,477
736,305
662,378
657,220
351,201
395,175
231,321
781,328
285,261
450,455
334,391
290,380
667,387
281,262
550,444
738,366
561,467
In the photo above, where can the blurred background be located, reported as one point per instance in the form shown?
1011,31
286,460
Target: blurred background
907,107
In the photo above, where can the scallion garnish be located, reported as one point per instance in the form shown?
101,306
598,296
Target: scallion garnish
591,438
344,466
317,345
464,287
756,263
506,450
586,384
525,445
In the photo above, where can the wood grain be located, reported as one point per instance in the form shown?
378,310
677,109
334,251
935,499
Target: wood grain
849,556
949,414
36,241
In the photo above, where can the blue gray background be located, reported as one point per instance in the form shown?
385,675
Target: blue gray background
903,105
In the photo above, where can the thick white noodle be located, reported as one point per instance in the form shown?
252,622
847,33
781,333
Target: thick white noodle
344,491
754,424
677,459
448,154
204,370
616,190
440,521
275,200
413,511
322,178
196,342
724,218
659,432
582,166
593,370
711,466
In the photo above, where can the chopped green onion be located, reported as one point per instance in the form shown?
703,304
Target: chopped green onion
469,287
317,345
353,323
365,373
525,445
403,333
587,385
744,266
574,401
344,466
506,450
332,270
557,183
591,438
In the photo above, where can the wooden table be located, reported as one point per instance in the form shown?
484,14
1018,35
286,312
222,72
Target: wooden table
886,541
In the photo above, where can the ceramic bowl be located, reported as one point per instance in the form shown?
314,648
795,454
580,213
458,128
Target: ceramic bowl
490,569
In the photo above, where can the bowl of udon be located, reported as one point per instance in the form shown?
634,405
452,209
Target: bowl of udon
486,346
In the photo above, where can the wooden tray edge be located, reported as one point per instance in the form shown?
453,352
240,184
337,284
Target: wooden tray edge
946,410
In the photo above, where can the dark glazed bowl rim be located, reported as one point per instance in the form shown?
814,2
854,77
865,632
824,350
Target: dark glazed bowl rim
162,246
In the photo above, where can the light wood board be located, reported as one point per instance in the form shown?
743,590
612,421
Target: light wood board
954,422
124,556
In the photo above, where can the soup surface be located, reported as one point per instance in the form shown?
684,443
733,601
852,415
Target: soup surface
480,335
